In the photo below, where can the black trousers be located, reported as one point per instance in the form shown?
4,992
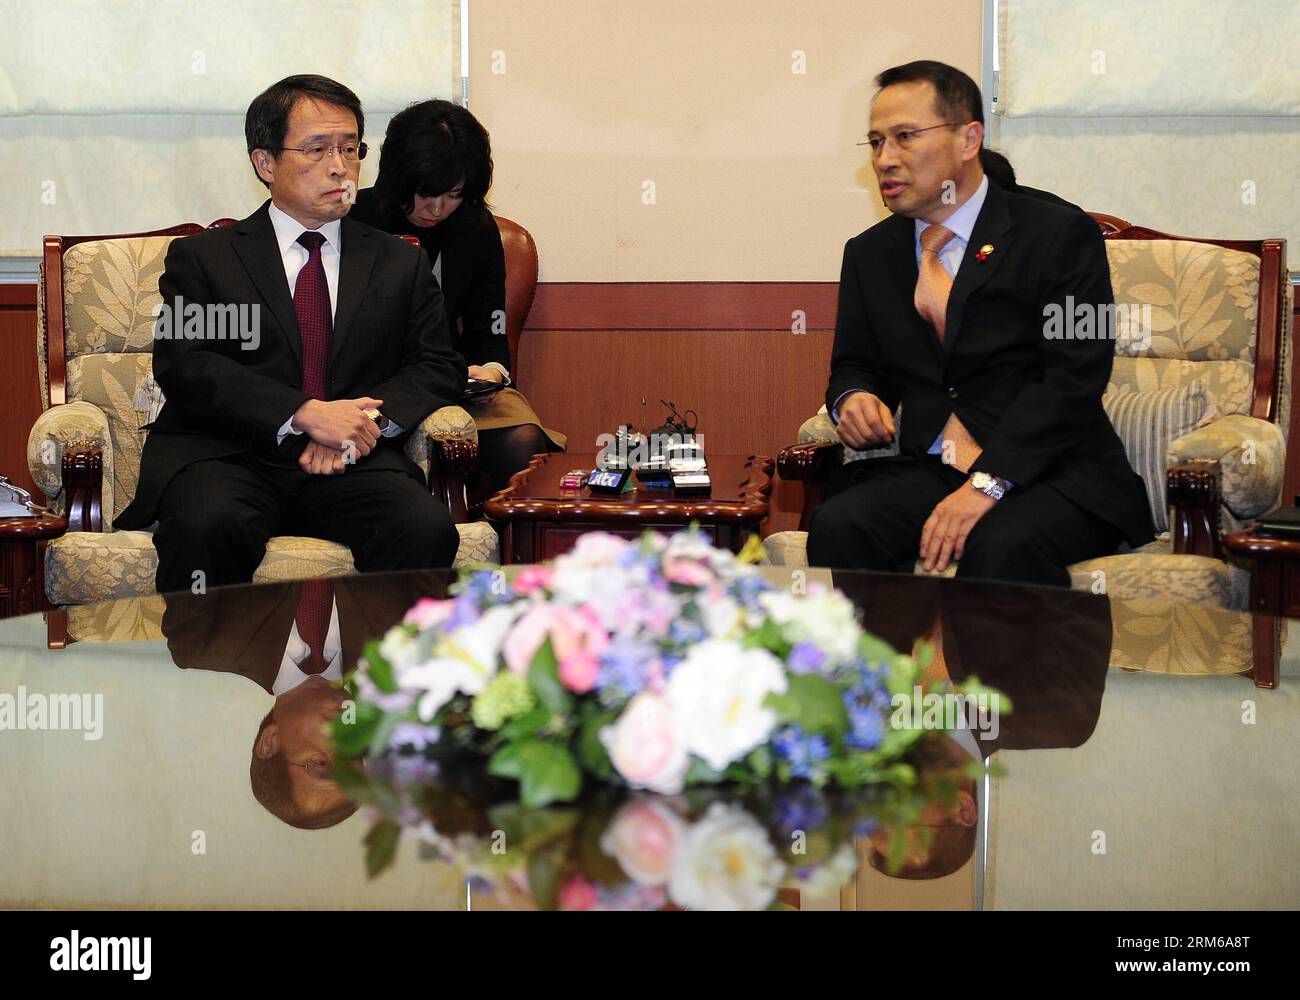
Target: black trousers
216,517
875,509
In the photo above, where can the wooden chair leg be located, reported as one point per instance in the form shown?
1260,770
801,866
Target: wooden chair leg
56,628
1266,649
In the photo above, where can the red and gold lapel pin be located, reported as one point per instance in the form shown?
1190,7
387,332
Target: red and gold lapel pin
984,252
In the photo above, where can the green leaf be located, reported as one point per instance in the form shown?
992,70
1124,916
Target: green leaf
544,871
767,636
505,762
379,670
544,680
525,725
760,761
700,773
591,751
381,846
548,773
814,703
353,781
352,739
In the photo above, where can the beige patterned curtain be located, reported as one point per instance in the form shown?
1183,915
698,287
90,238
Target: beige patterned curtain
118,116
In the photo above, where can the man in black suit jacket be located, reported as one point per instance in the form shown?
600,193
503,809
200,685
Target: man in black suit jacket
296,426
1008,463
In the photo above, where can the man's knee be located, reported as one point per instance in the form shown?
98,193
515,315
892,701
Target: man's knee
1012,551
843,536
224,545
417,532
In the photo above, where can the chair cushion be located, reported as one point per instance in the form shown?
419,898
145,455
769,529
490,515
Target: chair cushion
84,567
1149,572
1147,423
1154,572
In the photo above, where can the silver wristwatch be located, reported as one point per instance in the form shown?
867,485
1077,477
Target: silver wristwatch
990,486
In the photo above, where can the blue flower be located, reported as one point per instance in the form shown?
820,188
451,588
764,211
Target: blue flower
806,658
803,752
626,665
464,611
801,808
866,710
686,632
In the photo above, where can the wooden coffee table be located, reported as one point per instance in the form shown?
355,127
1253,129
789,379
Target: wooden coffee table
22,561
1274,593
540,520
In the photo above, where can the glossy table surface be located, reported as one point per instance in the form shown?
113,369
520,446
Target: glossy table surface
1172,785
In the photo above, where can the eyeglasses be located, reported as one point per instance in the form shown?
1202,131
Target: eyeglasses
318,765
902,138
350,151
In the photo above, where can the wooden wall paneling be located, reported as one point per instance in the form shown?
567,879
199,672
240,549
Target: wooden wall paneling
20,400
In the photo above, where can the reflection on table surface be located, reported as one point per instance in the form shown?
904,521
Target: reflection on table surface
209,785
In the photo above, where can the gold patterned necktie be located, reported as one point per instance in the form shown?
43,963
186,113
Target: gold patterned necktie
933,286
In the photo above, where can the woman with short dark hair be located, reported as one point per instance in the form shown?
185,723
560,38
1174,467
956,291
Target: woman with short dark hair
435,169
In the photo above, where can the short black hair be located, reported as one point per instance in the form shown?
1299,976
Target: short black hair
957,95
266,122
429,148
998,168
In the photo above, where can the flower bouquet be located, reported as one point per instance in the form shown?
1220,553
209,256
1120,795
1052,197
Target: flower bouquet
659,664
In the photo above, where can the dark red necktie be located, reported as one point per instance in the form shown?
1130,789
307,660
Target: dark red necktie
311,301
315,607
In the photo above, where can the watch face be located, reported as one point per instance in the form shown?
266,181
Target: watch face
981,480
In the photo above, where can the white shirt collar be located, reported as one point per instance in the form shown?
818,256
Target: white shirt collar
962,221
288,229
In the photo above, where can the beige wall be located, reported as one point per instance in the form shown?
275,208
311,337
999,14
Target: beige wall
757,175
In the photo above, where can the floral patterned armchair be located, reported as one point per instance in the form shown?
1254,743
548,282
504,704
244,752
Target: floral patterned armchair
1220,316
95,323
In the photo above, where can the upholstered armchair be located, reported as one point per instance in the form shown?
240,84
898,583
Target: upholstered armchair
1218,351
95,324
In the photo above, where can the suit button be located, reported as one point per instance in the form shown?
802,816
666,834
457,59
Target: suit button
952,392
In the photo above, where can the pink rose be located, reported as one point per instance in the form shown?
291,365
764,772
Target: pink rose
533,578
644,748
428,612
526,638
644,839
578,638
577,894
689,572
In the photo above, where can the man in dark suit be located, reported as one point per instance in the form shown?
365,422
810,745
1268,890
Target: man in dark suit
1007,463
296,426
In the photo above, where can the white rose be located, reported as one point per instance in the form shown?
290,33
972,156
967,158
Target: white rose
439,679
645,748
716,698
726,862
722,616
824,617
479,643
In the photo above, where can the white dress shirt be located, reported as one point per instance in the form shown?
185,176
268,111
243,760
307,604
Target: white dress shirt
296,650
294,255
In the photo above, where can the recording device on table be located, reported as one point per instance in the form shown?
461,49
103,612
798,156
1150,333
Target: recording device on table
1282,523
671,457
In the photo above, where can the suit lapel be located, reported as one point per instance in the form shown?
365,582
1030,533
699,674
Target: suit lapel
992,227
260,254
357,261
902,261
